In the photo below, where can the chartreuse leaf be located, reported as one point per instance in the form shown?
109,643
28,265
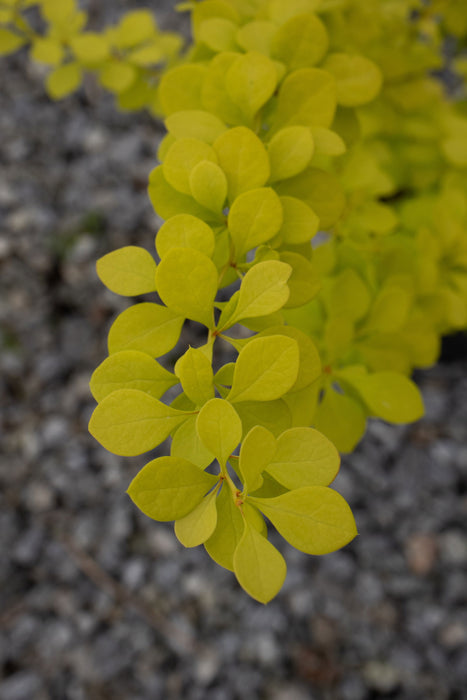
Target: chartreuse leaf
300,223
263,290
130,369
196,376
10,42
185,231
259,567
208,185
117,76
257,451
244,160
128,271
300,42
134,28
391,396
313,519
256,36
321,190
358,80
229,530
47,50
273,415
304,457
186,443
195,124
180,88
307,97
129,422
180,160
327,142
218,34
149,328
348,296
64,80
251,81
254,218
341,419
266,368
168,202
304,282
90,48
302,405
309,359
198,525
290,151
219,428
186,281
215,98
168,488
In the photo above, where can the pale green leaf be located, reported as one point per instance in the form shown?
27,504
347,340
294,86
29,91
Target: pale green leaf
117,76
134,28
256,36
128,271
186,281
304,457
186,442
392,397
197,526
185,231
218,34
130,369
129,422
322,191
219,428
256,453
290,151
168,202
273,415
215,98
147,327
251,81
300,42
168,488
342,419
10,42
313,519
64,80
263,290
259,567
196,124
46,50
307,97
229,530
254,218
309,359
300,223
327,142
196,376
358,80
304,282
266,369
244,160
180,160
208,185
180,88
90,48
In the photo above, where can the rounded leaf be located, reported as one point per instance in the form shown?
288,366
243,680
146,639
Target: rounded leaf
128,271
147,327
168,488
185,231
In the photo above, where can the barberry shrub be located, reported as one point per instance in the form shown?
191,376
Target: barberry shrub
313,185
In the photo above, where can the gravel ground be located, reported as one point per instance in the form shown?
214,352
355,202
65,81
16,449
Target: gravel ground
100,603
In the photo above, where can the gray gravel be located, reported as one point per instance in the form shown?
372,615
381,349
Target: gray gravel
100,603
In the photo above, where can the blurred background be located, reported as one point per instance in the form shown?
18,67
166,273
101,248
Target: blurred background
98,602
